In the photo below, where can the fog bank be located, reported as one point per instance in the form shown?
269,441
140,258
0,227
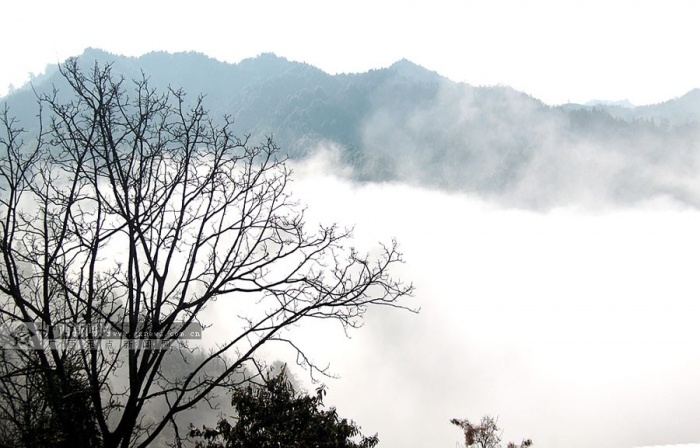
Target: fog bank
576,326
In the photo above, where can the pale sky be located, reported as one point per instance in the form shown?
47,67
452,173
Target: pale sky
555,50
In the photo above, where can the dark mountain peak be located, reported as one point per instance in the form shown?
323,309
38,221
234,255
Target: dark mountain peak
183,56
416,72
269,64
406,64
265,59
97,54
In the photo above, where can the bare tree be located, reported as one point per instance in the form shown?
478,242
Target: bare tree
485,434
128,215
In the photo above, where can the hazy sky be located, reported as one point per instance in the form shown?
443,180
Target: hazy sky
556,50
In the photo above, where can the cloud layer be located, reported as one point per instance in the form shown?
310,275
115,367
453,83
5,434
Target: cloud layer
504,145
576,327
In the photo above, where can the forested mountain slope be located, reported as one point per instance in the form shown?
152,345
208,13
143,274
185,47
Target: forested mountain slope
406,123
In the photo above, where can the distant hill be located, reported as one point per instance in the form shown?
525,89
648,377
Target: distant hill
409,124
677,111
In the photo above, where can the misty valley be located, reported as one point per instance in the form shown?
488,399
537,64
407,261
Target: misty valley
387,258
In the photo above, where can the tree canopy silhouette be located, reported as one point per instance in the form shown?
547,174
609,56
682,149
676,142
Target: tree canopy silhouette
274,415
124,214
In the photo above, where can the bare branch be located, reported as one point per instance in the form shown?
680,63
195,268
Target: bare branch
131,214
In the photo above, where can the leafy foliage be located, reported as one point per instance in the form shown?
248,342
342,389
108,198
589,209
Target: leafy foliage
46,409
275,415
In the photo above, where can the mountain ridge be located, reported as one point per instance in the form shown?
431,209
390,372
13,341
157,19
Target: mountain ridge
406,123
403,66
